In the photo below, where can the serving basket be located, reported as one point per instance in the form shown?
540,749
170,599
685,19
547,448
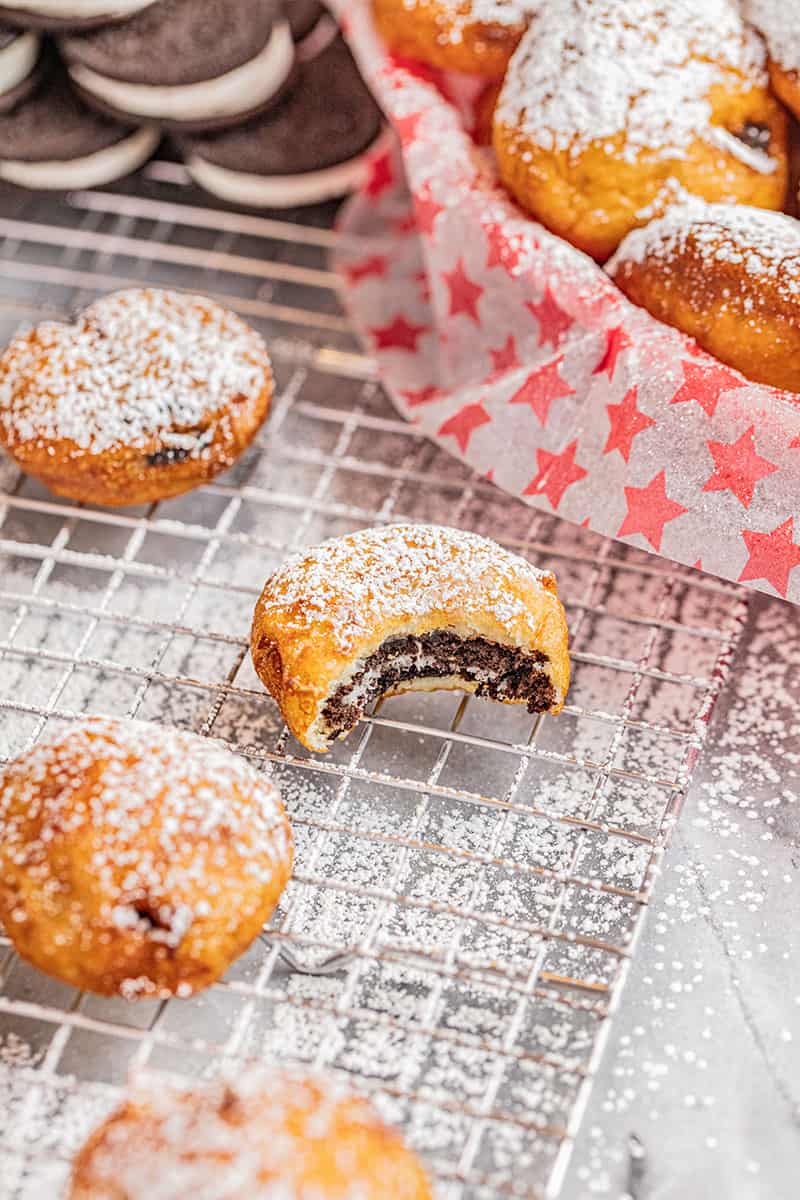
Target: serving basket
516,353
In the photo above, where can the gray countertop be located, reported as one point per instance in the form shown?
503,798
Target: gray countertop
703,1062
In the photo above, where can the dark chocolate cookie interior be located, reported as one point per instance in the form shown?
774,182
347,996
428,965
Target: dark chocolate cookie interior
501,673
55,125
22,18
177,42
755,137
328,118
303,16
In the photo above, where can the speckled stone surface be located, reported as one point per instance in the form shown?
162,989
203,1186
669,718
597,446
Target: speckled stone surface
703,1061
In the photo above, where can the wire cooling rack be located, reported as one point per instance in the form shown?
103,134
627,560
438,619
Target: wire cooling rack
470,880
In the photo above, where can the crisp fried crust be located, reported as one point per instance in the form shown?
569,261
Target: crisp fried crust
448,34
138,861
264,1134
786,85
727,275
594,199
610,113
325,612
147,395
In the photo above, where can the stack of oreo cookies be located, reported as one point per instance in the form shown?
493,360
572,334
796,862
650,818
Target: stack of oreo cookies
261,97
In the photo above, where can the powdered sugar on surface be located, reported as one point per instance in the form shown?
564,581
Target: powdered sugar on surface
136,366
257,1134
717,967
779,22
764,245
588,70
358,582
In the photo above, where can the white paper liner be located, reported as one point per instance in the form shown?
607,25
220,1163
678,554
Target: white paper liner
516,353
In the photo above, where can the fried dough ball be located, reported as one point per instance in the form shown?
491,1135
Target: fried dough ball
137,861
612,110
147,395
402,608
779,23
264,1135
727,275
477,37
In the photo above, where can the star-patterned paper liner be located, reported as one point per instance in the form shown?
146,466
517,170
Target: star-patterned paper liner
516,353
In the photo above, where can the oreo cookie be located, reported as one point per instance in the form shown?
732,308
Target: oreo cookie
185,64
52,141
313,28
19,66
303,16
311,147
58,16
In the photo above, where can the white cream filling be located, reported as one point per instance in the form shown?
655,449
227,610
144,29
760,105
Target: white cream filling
79,10
751,156
282,191
363,693
317,39
17,61
237,91
91,171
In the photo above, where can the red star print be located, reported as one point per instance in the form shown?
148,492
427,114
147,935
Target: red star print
541,388
424,283
795,445
649,510
618,341
773,556
705,383
406,224
377,266
553,321
420,396
426,210
408,125
381,174
398,335
504,359
464,294
557,472
626,423
504,251
738,467
463,424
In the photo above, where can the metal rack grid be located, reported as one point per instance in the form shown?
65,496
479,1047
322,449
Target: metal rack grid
470,881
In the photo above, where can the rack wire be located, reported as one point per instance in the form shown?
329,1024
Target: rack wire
470,881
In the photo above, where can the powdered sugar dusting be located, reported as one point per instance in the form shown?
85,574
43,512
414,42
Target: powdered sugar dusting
143,810
375,575
137,367
456,16
779,22
764,246
588,70
261,1135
